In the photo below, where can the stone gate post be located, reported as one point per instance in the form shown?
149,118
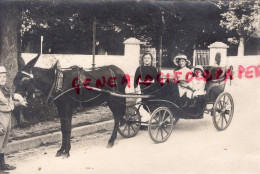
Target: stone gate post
218,54
131,59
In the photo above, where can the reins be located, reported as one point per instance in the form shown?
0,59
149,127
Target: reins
84,101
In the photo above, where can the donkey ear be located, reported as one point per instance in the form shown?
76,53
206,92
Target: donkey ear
56,65
31,64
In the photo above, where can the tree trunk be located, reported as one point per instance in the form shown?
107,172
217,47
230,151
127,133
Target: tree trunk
9,42
241,47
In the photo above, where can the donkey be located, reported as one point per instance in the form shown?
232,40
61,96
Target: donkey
75,90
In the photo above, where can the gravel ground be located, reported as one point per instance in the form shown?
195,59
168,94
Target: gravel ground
195,147
89,116
86,117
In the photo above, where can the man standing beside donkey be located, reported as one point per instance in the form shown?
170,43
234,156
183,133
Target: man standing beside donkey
6,107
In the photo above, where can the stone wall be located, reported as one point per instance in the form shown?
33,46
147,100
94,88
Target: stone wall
128,62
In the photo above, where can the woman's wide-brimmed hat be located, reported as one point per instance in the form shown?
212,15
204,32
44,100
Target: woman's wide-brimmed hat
2,69
181,56
198,67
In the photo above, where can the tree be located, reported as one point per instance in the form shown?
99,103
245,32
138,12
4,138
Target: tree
67,27
8,40
243,19
57,23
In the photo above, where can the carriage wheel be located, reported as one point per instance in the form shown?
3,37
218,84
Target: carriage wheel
223,111
161,124
130,123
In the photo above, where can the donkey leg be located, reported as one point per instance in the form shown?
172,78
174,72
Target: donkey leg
67,132
62,149
117,106
114,133
65,113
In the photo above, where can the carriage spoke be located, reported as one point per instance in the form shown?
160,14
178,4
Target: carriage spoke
224,101
132,127
156,120
227,114
161,133
160,117
163,115
228,107
225,119
156,129
222,120
217,114
219,118
131,123
229,117
124,128
165,131
157,133
230,114
229,103
129,129
221,106
166,119
218,105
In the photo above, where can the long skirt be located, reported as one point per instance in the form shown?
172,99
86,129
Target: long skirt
5,122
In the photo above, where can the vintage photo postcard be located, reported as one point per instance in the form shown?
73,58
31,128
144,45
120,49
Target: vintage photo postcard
129,87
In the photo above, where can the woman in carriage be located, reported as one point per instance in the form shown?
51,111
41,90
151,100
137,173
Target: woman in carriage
180,73
191,92
145,77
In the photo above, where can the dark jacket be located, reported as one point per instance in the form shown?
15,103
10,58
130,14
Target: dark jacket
143,77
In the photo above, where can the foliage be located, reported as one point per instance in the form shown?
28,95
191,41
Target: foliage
67,27
241,18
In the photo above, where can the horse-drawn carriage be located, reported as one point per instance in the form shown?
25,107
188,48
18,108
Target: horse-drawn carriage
165,109
74,87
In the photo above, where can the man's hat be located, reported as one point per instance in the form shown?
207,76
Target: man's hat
2,69
181,56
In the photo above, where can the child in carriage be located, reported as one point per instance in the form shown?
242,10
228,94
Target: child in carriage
193,90
196,86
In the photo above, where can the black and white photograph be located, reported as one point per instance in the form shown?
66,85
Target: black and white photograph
129,87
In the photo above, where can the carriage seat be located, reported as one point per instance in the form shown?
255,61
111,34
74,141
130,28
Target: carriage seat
214,86
216,80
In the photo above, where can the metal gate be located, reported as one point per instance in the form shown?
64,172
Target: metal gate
201,57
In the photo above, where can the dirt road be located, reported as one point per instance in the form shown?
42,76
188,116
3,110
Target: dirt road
195,146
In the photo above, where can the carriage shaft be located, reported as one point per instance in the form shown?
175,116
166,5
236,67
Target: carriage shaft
110,93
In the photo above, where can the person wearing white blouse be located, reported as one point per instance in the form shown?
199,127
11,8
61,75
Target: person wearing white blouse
196,86
180,76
